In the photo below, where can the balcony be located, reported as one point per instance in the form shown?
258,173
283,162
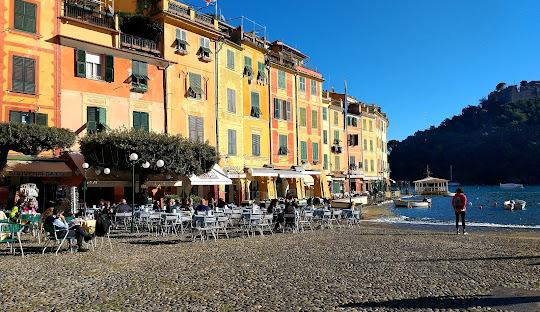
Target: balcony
260,42
178,9
185,11
280,58
203,18
147,46
89,11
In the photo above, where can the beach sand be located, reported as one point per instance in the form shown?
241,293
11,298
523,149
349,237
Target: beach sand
371,267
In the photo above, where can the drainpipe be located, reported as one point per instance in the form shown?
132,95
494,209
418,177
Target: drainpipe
270,115
165,96
297,124
216,95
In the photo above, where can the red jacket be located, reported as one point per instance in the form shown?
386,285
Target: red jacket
463,202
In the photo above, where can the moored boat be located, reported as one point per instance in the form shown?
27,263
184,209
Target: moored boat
509,186
515,204
413,203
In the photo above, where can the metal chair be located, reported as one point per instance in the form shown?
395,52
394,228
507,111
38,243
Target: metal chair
53,236
9,228
307,219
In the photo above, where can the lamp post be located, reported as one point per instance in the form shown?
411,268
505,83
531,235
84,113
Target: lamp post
86,166
134,159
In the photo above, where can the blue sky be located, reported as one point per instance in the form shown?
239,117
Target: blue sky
421,60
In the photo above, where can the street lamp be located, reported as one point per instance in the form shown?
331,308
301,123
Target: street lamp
134,159
86,166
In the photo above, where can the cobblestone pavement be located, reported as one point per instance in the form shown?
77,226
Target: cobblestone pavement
367,268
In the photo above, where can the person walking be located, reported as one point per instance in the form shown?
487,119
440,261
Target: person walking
459,203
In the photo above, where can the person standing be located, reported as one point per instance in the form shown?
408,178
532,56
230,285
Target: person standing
459,203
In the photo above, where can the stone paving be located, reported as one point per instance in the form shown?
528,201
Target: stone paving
366,268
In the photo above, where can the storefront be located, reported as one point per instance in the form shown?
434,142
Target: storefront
208,185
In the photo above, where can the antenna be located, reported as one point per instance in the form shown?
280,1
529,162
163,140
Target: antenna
428,172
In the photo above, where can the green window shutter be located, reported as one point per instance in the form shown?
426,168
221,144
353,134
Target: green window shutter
231,100
136,120
29,76
18,16
315,151
303,150
42,119
336,119
143,70
282,79
337,165
30,17
192,128
102,117
15,116
260,68
283,145
195,81
17,78
248,62
314,119
92,116
289,116
256,145
325,162
325,137
200,129
302,117
232,142
109,68
336,137
302,84
276,108
313,87
324,113
81,63
255,109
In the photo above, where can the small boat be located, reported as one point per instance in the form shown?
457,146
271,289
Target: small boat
514,204
413,203
509,186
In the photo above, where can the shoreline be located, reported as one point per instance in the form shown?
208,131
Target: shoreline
372,214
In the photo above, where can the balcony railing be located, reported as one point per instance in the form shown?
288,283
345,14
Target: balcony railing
88,14
255,40
178,9
279,59
139,44
203,18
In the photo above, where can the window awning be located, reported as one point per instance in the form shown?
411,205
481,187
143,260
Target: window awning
236,175
216,176
48,169
249,71
182,41
205,49
197,90
261,75
255,172
289,174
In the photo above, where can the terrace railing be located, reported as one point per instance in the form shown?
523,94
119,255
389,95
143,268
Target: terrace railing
139,44
203,18
178,9
86,13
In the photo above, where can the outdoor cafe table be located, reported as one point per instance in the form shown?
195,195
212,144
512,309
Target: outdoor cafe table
318,212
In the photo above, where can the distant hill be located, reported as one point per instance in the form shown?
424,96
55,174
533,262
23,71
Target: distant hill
495,142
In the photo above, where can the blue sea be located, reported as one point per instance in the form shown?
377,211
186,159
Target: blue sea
481,210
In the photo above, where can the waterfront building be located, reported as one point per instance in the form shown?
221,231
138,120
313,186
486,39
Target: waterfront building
375,153
338,152
326,135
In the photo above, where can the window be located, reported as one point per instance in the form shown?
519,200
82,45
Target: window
303,121
204,51
352,161
336,137
313,87
139,75
196,128
231,100
364,122
365,145
96,119
28,117
195,87
90,66
93,66
315,151
282,79
248,68
303,151
370,125
256,145
232,142
336,119
372,167
353,139
261,75
302,84
325,161
282,109
24,18
371,145
283,149
255,107
181,40
325,137
140,121
24,75
354,122
324,113
314,119
366,167
337,165
230,59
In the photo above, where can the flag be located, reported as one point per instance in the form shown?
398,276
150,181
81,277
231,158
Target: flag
345,107
209,1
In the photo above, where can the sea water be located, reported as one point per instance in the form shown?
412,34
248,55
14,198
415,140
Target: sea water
484,209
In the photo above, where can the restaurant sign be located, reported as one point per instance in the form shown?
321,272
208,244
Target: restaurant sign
41,174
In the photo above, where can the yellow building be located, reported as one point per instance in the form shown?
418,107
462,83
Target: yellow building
338,150
375,157
326,135
230,139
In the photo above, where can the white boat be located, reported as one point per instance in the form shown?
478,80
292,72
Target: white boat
509,186
413,203
514,204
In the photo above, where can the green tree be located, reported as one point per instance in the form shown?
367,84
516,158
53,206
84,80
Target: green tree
111,149
500,86
31,139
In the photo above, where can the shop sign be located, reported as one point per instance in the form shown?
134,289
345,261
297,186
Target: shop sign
51,174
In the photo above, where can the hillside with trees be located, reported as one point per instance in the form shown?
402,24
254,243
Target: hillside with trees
491,143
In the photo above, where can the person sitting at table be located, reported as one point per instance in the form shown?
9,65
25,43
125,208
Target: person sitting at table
101,204
170,206
157,205
47,213
107,210
29,207
15,214
76,231
123,207
272,207
221,203
202,207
